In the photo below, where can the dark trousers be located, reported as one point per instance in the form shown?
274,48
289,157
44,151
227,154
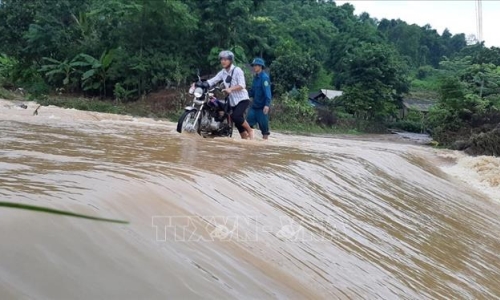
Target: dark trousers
238,114
257,116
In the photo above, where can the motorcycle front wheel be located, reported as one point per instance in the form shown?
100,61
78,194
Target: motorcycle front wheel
186,122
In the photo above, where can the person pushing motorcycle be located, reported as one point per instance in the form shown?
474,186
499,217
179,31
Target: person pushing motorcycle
235,86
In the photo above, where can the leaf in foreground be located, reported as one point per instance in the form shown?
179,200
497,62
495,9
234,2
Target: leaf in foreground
57,212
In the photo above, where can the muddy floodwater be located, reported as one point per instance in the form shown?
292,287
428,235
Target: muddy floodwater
296,217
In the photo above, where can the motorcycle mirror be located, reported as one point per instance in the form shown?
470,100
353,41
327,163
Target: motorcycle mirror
198,74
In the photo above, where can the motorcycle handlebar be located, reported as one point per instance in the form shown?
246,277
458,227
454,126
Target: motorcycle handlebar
202,84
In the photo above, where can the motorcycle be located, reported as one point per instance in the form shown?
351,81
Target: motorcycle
209,114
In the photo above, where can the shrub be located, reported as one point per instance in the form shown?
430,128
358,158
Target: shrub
425,71
294,109
414,116
429,84
325,116
6,94
407,125
123,95
7,66
485,143
37,88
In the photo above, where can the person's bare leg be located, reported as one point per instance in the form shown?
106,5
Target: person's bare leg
265,136
249,130
244,135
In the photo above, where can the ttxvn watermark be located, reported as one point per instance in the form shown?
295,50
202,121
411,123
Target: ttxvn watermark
245,228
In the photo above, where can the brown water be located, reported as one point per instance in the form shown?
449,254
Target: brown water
292,218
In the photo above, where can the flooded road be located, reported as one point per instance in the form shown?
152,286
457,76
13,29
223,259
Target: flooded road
292,218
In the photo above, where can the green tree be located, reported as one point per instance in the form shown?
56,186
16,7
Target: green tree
375,81
294,70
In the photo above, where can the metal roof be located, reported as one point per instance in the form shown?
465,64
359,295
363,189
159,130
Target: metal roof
417,104
331,94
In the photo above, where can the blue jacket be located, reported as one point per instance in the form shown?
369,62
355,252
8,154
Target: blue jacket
261,90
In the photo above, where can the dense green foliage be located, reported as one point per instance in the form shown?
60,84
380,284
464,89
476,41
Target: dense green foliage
375,81
124,49
469,100
142,45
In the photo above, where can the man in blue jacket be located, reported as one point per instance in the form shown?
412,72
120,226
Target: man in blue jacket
261,94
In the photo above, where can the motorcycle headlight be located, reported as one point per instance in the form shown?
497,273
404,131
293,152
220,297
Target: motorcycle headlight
198,92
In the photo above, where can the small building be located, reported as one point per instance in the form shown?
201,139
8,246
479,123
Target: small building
420,105
322,96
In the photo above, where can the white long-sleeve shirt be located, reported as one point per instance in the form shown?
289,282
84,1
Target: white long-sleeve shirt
238,78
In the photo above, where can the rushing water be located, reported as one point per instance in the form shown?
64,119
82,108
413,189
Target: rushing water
292,218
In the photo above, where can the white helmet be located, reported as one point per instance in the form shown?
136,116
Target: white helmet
227,55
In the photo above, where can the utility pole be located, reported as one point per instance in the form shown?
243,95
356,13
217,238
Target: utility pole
479,20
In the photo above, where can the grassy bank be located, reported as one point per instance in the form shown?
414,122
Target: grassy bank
140,108
6,94
83,104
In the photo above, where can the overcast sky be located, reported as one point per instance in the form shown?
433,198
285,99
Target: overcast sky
457,16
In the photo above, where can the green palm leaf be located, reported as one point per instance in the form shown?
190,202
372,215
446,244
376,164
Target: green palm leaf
53,72
88,74
52,60
56,211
